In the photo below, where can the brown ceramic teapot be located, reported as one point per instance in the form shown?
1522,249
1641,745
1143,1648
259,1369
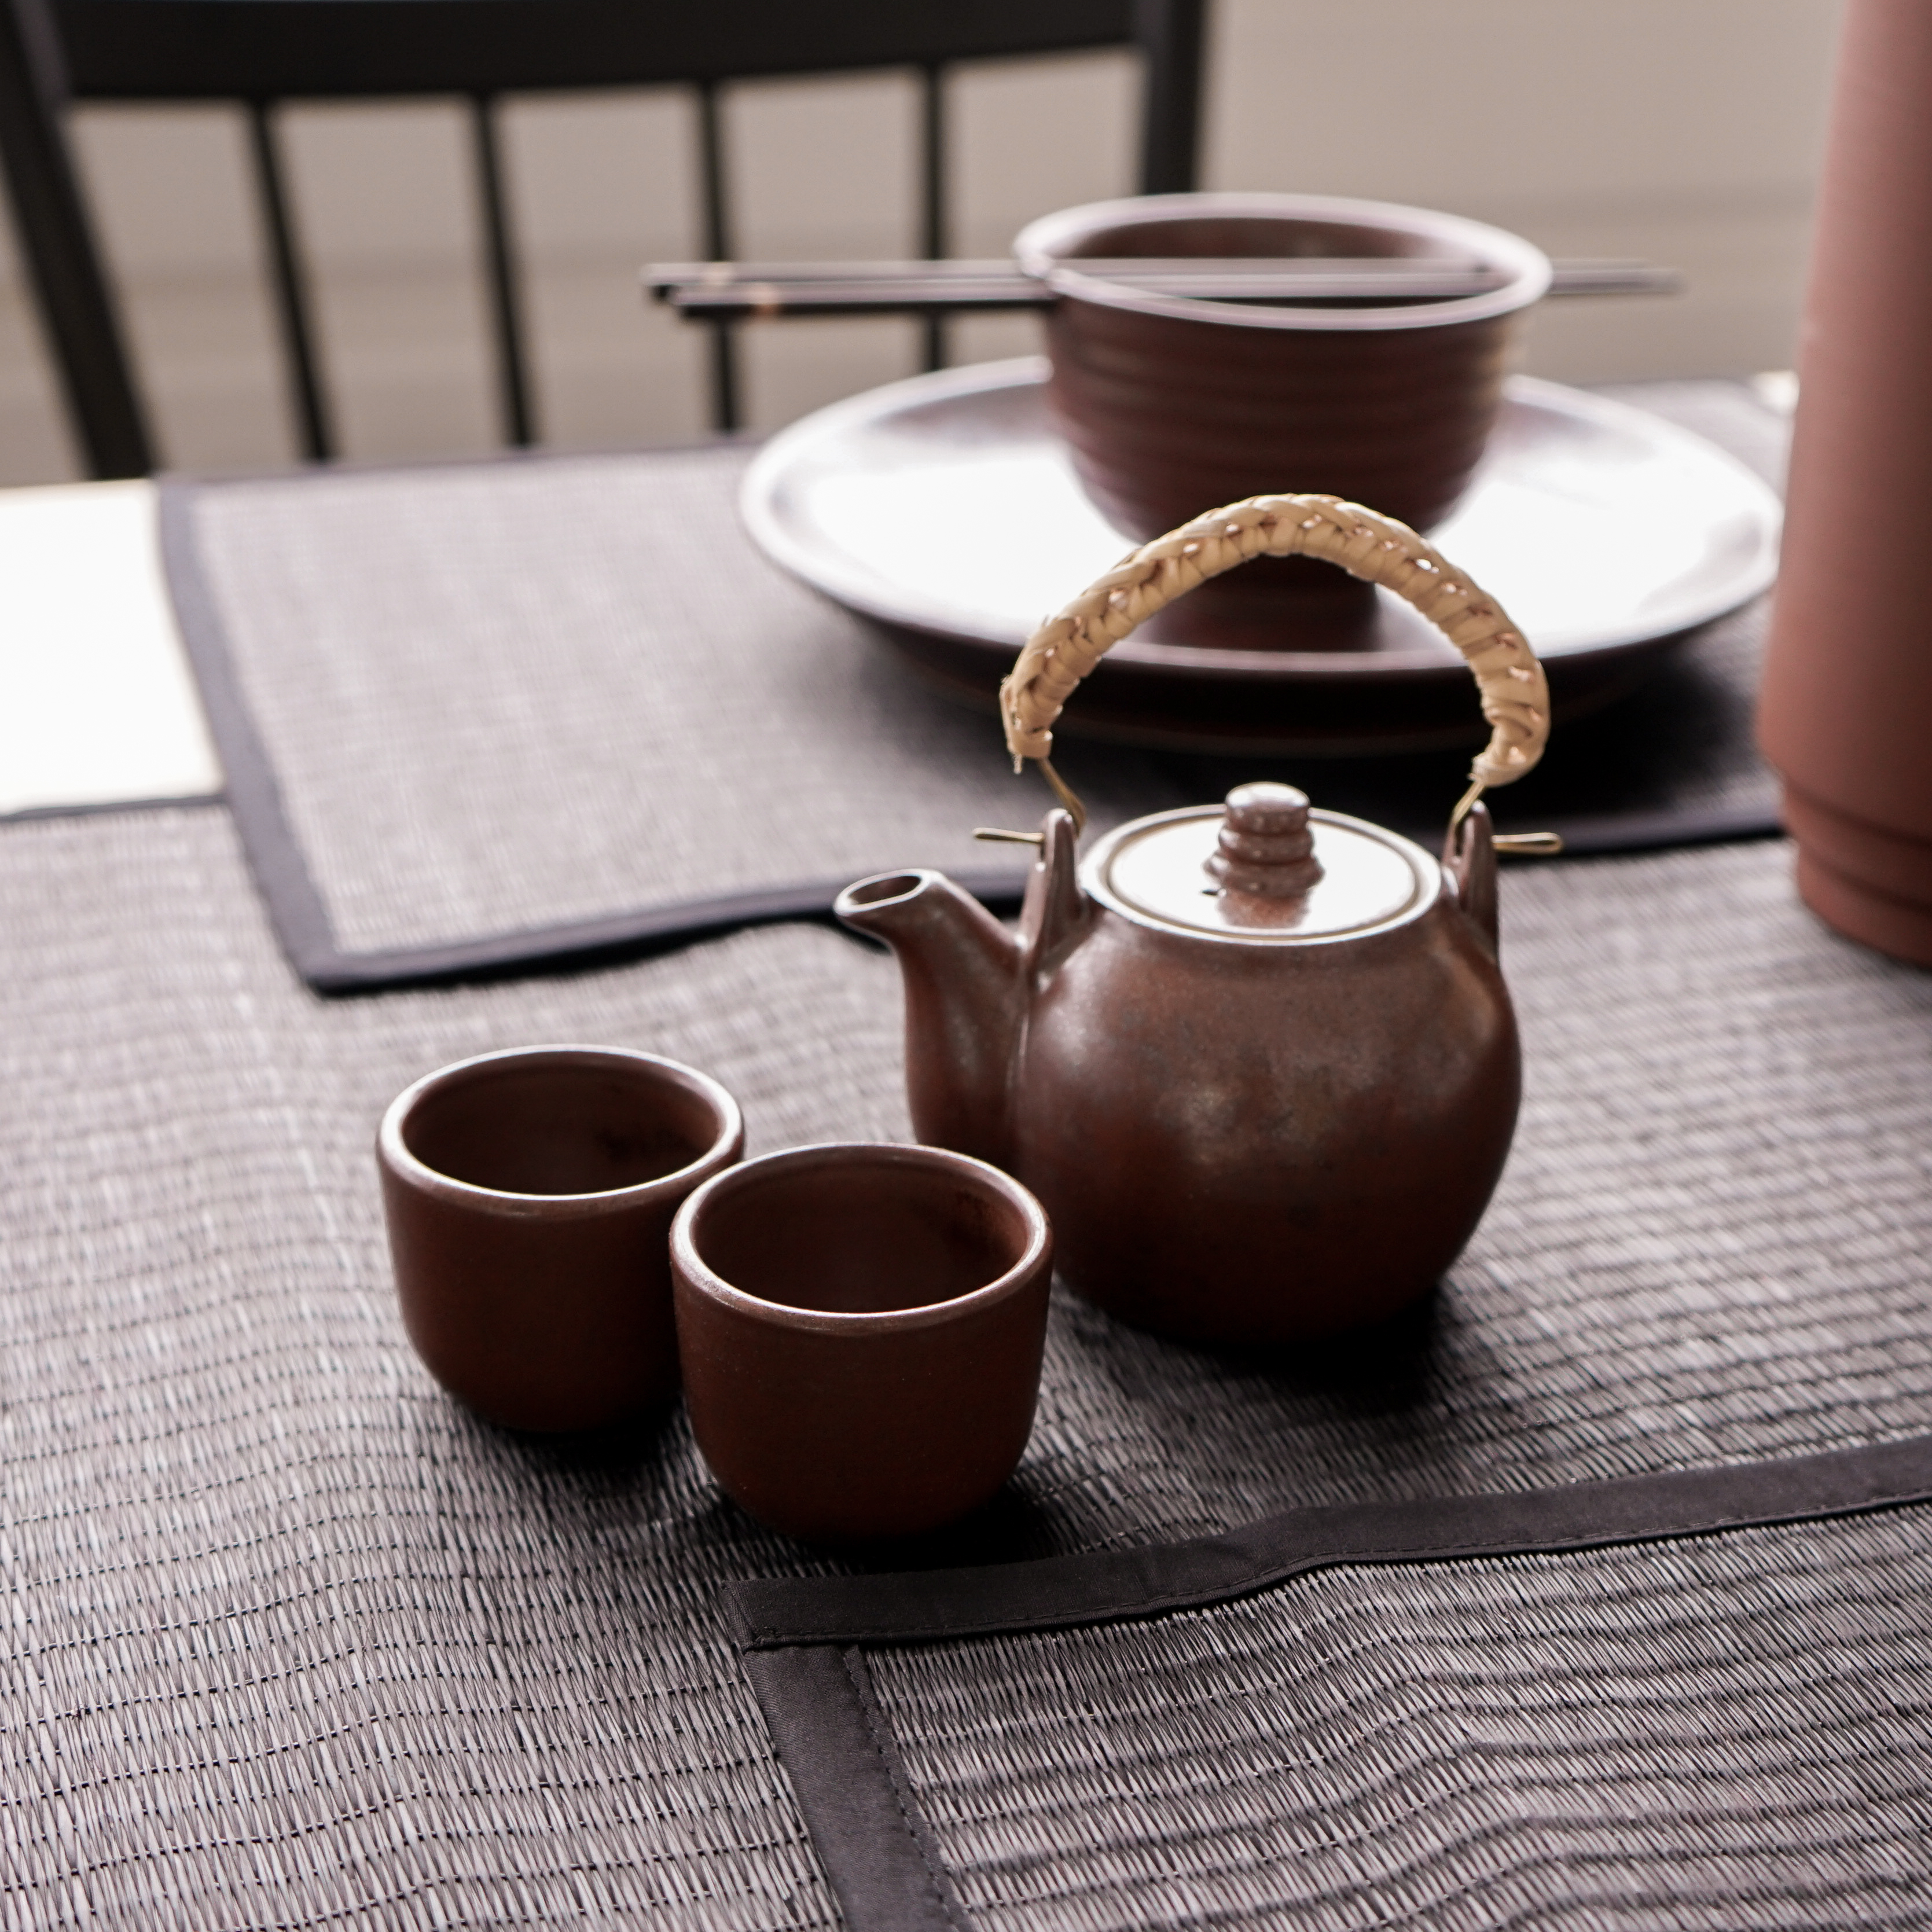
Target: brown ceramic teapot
1257,1061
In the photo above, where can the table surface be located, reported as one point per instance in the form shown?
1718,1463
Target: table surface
97,704
295,1641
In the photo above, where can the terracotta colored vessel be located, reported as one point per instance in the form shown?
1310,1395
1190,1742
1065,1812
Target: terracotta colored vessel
530,1196
1260,1064
861,1329
1848,680
1168,402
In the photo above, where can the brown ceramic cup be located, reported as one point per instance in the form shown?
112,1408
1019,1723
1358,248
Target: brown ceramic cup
861,1329
530,1196
1170,403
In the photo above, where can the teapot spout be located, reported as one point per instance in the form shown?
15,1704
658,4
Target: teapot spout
965,995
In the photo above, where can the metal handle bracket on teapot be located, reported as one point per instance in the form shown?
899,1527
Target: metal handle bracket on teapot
1514,692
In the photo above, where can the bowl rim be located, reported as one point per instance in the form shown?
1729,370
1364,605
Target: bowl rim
1039,248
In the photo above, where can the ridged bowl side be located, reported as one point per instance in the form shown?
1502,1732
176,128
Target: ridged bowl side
1170,405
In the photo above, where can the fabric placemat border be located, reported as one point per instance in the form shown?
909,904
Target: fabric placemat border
803,1640
300,916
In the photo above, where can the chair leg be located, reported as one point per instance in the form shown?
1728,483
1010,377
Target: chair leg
292,311
506,316
83,332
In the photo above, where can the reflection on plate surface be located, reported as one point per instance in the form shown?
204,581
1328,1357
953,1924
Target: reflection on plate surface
947,508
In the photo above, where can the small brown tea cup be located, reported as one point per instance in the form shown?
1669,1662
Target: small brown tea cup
530,1195
861,1330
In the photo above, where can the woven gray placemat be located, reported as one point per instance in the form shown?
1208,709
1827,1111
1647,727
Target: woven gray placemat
293,1641
1593,1704
1725,1732
476,714
1673,762
497,699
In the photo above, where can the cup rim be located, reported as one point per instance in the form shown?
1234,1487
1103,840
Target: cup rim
396,1155
1037,246
690,1269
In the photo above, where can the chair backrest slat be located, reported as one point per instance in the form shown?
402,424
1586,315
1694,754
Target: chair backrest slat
934,192
505,304
288,284
715,214
76,306
1173,37
263,52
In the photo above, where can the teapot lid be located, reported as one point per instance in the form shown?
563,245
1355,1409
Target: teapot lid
1266,868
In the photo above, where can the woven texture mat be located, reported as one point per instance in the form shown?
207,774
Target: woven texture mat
477,714
480,713
294,1641
1725,1732
1673,763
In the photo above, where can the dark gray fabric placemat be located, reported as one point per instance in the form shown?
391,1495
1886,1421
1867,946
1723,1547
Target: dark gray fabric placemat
474,705
1672,763
1560,1707
293,1641
474,714
1726,1732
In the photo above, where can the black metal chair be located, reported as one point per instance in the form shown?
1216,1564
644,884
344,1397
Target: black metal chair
263,52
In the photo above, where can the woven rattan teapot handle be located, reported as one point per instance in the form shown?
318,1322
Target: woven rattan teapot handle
1515,696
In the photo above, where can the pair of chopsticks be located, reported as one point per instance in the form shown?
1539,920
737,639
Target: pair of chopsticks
744,291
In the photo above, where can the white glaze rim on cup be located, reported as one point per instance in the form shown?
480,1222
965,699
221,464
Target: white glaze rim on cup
1037,245
396,1155
698,1274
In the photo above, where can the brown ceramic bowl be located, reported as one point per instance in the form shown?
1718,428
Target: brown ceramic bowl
1171,405
530,1196
861,1329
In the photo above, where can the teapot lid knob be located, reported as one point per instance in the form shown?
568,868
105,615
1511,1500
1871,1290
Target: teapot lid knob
1265,847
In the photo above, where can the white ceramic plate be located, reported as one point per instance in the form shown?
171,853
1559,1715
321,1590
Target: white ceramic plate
947,508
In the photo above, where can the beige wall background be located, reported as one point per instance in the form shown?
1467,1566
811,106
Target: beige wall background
1687,131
